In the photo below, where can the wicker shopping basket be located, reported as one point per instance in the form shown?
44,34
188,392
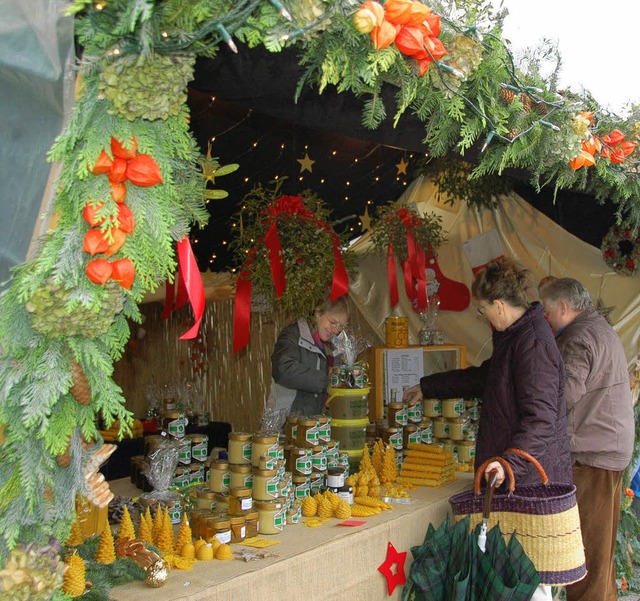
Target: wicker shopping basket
544,517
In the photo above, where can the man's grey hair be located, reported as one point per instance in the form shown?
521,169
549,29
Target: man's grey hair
567,289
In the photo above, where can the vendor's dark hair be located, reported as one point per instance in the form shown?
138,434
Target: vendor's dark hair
503,279
567,289
340,305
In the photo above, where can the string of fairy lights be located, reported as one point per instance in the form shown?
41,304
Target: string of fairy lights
366,174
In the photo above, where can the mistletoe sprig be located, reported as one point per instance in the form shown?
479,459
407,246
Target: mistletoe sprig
306,243
395,221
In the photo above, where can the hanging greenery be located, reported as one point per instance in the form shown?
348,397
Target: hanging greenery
287,248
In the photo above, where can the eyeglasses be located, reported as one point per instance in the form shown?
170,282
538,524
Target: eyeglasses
336,325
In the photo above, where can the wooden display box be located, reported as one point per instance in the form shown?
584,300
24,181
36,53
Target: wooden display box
437,359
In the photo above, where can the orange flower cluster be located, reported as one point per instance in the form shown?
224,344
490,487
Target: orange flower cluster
140,170
410,24
613,146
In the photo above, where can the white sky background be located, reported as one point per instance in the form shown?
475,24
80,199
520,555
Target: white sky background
598,42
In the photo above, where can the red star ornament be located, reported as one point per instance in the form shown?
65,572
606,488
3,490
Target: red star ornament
386,568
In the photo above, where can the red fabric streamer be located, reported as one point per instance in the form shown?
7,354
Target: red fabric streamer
293,206
190,288
392,278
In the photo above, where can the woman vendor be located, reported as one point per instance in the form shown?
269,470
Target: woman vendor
301,361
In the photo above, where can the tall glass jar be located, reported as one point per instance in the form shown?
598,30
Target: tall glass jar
239,451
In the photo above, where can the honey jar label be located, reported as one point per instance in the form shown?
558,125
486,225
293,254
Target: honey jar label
426,436
199,451
304,465
184,452
319,462
395,440
181,478
303,489
175,512
324,432
414,413
176,427
311,436
196,475
279,520
415,436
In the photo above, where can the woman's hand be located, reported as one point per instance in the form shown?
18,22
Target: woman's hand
494,466
412,395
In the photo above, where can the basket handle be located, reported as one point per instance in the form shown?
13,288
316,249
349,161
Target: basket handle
543,475
507,470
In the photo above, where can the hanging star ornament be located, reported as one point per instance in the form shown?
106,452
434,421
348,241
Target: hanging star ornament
365,220
306,164
393,558
402,166
211,169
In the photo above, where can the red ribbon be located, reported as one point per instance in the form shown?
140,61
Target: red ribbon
413,267
292,206
190,288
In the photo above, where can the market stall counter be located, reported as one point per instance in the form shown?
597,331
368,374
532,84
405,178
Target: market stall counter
326,563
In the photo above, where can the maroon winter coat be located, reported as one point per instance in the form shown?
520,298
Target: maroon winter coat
523,405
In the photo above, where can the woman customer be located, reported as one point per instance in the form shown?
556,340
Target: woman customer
521,385
301,361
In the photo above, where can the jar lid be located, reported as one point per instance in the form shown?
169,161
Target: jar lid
239,436
395,405
323,419
266,473
391,430
196,467
439,419
335,471
251,515
172,414
223,497
316,475
456,420
410,428
330,444
292,419
196,437
265,437
299,451
240,468
306,421
205,494
237,519
240,491
316,448
299,479
220,464
222,522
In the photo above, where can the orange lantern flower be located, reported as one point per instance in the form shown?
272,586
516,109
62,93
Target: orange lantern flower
398,11
383,36
616,148
368,16
94,242
584,159
126,219
419,13
123,272
89,213
432,23
103,164
119,192
118,150
118,171
143,171
99,271
410,41
592,145
119,238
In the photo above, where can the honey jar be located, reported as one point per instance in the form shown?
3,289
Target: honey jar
318,459
241,475
206,500
239,451
222,502
173,423
301,486
251,522
452,407
240,499
397,414
265,484
238,528
307,432
410,433
196,473
323,424
466,451
458,427
291,429
220,476
221,528
263,443
432,407
199,447
440,427
299,462
271,517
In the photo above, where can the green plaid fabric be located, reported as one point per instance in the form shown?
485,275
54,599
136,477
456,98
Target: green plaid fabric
449,566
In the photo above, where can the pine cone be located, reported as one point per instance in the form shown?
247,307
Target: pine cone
507,95
527,103
540,108
513,132
80,389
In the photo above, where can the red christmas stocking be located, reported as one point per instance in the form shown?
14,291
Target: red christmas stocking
454,296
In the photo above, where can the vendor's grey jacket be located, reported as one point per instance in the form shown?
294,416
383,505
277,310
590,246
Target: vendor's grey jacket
299,371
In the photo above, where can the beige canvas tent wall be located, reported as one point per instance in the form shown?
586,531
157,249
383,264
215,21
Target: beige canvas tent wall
526,235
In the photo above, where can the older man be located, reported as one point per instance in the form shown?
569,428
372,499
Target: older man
600,425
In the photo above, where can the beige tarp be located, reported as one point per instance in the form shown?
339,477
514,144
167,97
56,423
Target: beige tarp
526,235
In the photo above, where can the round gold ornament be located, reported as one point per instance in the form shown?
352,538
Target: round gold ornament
157,574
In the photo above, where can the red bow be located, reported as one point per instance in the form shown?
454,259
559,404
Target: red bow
287,205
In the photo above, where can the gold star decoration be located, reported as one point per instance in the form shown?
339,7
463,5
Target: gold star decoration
365,220
402,166
306,164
